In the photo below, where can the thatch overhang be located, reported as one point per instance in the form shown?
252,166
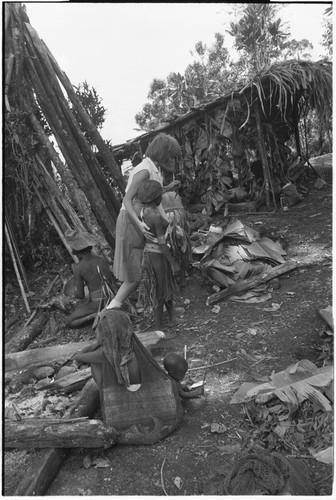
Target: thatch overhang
284,91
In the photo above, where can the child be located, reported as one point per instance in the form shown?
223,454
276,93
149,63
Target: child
87,272
176,367
158,286
115,343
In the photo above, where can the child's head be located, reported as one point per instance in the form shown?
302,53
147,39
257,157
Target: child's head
175,365
150,193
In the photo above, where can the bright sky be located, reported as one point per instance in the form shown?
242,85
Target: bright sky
119,48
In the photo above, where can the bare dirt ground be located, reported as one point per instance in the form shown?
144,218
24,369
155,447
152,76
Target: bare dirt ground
194,460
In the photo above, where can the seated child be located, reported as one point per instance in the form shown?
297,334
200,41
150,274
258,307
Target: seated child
115,343
176,367
87,272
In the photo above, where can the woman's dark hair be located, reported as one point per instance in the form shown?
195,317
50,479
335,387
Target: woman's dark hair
82,251
162,148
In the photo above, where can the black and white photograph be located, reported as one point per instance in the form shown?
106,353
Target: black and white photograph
167,249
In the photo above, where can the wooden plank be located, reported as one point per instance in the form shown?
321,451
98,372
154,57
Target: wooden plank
244,285
62,353
37,433
46,464
44,356
69,380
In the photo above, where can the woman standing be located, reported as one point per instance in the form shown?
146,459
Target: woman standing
131,232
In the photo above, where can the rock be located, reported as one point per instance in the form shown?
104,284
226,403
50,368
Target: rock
15,385
65,370
43,372
320,183
42,382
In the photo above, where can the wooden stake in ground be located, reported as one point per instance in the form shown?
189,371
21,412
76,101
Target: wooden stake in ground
11,251
244,285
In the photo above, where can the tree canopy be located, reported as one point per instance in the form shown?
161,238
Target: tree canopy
261,39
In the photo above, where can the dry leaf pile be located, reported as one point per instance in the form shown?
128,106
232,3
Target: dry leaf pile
272,426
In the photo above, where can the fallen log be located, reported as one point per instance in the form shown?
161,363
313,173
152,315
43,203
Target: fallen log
62,353
69,380
27,334
47,462
37,433
244,285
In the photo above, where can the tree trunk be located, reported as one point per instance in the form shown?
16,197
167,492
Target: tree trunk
52,86
78,198
74,159
34,433
47,463
239,288
57,355
296,128
262,152
27,334
60,354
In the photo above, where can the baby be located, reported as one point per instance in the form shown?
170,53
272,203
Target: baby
176,367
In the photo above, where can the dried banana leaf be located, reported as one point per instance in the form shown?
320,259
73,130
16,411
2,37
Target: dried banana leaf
292,386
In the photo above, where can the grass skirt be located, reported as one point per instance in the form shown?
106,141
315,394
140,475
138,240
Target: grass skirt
178,236
148,282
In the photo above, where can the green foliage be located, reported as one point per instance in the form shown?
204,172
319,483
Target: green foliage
205,79
23,207
258,36
327,36
91,101
275,68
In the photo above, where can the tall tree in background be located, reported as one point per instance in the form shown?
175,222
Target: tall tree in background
258,36
260,39
327,37
203,80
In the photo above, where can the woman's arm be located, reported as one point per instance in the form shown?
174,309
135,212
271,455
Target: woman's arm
172,186
138,179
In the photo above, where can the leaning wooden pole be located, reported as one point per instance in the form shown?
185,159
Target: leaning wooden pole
50,82
73,158
86,120
16,269
77,195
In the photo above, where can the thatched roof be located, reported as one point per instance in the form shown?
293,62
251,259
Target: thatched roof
283,90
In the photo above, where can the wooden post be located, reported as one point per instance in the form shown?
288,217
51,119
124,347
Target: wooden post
11,251
27,334
86,120
51,85
262,154
16,253
73,156
56,226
